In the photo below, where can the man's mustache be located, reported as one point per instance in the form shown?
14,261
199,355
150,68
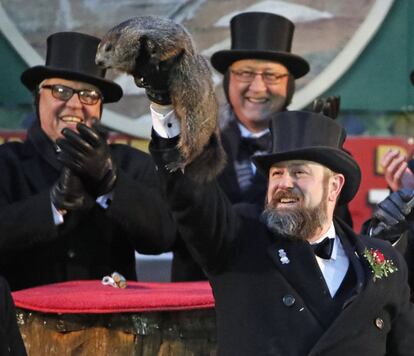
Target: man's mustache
285,194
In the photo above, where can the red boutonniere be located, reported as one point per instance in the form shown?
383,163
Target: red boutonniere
379,265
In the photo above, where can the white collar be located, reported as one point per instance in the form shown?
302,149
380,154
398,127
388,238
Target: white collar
246,133
331,234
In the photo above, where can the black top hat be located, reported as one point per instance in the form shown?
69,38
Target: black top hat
303,135
261,35
71,55
412,77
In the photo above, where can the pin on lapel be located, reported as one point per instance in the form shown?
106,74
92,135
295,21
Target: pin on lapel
283,258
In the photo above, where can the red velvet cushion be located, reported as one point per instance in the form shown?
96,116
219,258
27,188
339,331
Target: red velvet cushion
93,297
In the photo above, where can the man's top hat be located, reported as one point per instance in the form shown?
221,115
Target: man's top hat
71,55
304,135
261,35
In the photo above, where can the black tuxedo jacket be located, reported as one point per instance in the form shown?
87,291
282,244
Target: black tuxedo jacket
184,268
265,307
89,244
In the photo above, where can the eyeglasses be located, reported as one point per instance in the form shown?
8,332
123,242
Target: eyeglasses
64,93
247,76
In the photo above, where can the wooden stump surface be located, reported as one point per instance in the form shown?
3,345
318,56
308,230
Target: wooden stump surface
172,333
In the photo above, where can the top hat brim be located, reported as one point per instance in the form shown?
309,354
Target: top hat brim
296,65
335,159
33,76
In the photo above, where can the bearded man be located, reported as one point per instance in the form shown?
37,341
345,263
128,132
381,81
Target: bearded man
259,75
292,280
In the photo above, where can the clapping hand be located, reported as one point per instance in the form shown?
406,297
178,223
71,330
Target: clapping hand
68,193
393,215
396,171
87,153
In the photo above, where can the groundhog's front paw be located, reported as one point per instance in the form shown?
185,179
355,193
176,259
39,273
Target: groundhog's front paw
175,166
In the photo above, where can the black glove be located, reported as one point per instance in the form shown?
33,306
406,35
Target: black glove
88,155
153,75
68,193
393,215
328,107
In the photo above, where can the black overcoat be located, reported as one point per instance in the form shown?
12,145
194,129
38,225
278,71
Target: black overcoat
88,245
266,307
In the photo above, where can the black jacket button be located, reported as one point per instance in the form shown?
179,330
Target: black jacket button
379,323
288,300
71,253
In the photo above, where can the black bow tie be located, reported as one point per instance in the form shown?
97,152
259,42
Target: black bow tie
324,248
251,145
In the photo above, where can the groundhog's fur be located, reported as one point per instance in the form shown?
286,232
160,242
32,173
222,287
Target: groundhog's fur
190,85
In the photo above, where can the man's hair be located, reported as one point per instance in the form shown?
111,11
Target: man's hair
328,173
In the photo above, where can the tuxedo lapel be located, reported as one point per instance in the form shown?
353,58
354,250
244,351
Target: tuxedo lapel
302,273
44,146
366,294
39,162
353,250
364,303
233,136
228,179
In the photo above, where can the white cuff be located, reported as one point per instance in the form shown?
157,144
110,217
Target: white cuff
57,216
105,200
164,121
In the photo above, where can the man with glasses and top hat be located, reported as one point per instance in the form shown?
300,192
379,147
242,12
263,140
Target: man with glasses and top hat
259,73
290,278
73,206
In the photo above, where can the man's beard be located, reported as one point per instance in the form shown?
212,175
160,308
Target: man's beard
297,223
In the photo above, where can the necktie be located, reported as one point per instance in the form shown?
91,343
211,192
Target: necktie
250,145
247,148
324,248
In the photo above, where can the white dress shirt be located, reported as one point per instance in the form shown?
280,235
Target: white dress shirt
334,269
164,121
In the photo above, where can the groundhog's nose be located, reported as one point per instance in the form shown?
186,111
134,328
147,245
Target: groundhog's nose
101,54
99,62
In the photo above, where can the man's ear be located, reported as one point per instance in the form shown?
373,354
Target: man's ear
336,182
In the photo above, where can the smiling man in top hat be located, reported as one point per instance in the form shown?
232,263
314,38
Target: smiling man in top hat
71,205
291,279
259,80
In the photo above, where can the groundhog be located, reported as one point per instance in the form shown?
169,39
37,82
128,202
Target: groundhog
158,41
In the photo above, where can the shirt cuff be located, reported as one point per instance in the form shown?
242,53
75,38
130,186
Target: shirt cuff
105,200
164,121
57,216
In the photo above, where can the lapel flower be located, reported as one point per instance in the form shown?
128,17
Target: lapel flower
379,265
